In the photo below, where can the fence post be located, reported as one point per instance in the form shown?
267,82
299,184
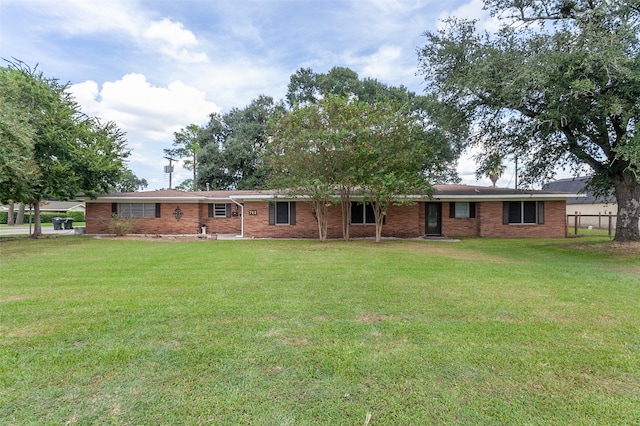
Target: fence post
610,222
575,225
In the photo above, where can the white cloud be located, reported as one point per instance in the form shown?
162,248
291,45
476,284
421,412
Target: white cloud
173,40
144,110
473,10
119,19
383,64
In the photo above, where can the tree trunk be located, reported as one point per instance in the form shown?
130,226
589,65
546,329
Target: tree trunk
20,218
10,213
322,213
345,202
37,227
378,214
628,198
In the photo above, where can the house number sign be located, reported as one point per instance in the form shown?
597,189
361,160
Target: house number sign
253,212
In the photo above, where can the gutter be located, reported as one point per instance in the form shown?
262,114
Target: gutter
241,217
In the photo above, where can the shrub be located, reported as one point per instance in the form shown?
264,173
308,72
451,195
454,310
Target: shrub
120,226
77,216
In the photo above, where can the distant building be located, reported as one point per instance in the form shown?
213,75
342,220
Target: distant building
589,203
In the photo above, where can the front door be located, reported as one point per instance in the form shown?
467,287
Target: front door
434,219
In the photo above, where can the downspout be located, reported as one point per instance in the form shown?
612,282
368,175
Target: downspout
241,218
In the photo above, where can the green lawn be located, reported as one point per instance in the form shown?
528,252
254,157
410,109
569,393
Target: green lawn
112,331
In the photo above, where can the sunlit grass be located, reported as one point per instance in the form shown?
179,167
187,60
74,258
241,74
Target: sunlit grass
299,332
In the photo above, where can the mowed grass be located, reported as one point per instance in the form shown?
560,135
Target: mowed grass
302,333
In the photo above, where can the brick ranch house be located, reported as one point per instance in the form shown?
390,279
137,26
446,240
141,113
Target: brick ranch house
452,211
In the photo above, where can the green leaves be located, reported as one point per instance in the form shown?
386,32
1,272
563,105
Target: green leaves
339,145
558,86
49,148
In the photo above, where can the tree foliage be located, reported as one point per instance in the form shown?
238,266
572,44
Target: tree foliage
307,87
339,145
64,153
129,182
232,145
558,85
310,150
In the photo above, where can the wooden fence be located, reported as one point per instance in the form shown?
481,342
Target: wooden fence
590,224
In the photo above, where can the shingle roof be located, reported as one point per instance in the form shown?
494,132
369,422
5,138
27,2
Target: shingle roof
577,186
442,192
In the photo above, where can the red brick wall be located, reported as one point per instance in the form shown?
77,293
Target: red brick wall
401,222
554,222
94,214
189,223
221,225
461,227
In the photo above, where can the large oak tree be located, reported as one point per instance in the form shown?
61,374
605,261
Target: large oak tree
558,86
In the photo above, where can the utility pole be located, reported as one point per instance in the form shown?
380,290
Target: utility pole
169,168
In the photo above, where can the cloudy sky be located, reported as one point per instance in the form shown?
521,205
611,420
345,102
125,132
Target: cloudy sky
154,67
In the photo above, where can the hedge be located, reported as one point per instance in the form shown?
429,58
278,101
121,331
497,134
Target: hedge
44,217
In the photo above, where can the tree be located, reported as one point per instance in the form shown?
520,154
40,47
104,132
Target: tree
558,85
65,152
185,185
391,159
232,146
338,145
308,88
129,182
186,144
490,166
17,167
306,153
212,169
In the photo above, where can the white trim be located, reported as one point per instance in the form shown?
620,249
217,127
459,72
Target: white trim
355,197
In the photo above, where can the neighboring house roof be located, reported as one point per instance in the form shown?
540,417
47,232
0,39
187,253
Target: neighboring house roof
577,186
55,206
61,206
441,193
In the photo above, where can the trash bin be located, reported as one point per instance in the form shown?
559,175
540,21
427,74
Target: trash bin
68,223
57,223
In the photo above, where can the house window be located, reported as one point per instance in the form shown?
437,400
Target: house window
138,209
462,210
219,210
282,213
362,213
523,212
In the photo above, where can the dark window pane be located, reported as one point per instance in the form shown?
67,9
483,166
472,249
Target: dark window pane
515,213
529,211
282,212
357,213
369,215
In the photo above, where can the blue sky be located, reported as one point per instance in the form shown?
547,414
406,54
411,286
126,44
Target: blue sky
154,67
